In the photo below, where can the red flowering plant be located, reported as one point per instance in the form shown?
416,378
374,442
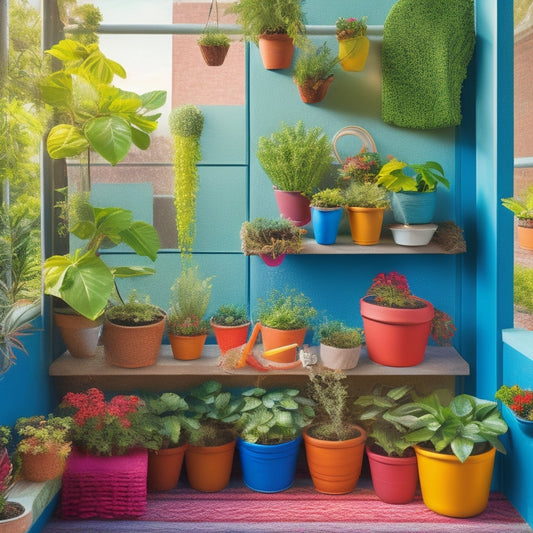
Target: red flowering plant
7,475
104,427
363,167
519,400
392,290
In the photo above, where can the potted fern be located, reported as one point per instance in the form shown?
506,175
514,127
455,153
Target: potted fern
295,159
326,212
521,206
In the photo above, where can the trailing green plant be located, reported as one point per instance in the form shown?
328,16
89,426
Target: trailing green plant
230,315
274,416
422,177
523,287
329,391
363,167
314,64
270,17
462,426
521,205
186,125
95,114
328,198
337,334
287,309
294,158
134,312
366,194
270,236
40,434
213,38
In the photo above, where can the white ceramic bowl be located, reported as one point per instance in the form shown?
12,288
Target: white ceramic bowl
412,234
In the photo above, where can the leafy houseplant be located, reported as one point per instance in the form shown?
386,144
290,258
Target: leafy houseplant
230,324
522,207
340,345
186,124
270,238
353,43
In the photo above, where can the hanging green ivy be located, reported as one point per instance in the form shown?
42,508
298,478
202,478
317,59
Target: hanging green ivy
186,124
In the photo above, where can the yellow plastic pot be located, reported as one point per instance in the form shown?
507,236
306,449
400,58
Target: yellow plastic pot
452,488
353,53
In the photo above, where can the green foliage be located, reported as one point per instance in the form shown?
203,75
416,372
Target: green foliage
213,38
294,158
275,416
338,335
133,312
269,16
521,205
523,287
364,166
230,315
86,17
423,177
314,64
351,27
286,310
328,198
270,236
366,194
40,434
96,114
453,428
186,121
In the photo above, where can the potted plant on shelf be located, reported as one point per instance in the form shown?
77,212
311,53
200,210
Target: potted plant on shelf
209,457
414,189
295,160
353,43
313,73
105,475
340,345
362,167
230,323
392,459
458,442
270,436
133,332
518,406
326,212
522,207
276,26
285,316
365,204
397,324
166,419
334,445
43,447
83,281
187,329
271,239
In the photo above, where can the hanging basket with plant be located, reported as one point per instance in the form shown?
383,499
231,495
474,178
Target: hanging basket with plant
213,43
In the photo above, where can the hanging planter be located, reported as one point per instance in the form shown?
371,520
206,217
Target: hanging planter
213,44
314,91
353,43
276,50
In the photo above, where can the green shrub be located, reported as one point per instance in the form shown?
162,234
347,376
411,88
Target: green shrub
523,287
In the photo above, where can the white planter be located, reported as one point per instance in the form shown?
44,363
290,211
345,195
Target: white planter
413,234
339,358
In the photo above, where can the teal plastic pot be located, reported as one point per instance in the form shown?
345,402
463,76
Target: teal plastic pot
268,467
412,207
326,222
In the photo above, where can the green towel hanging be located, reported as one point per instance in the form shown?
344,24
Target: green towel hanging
427,45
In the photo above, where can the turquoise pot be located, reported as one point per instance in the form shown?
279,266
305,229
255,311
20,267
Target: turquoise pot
411,207
268,467
326,223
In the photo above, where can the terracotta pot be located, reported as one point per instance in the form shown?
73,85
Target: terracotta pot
214,55
365,224
230,336
354,53
525,237
18,524
339,358
275,338
132,346
276,50
164,467
396,337
313,92
187,348
452,488
209,467
395,479
42,466
294,206
79,334
335,466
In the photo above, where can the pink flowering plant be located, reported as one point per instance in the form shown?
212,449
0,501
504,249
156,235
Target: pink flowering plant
519,400
6,467
102,427
392,290
363,167
350,27
187,326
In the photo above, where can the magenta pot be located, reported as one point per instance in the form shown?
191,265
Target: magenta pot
294,206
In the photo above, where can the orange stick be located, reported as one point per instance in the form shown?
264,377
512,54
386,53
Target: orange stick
248,346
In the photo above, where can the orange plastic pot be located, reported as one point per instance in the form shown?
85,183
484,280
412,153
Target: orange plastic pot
452,488
354,53
276,50
42,466
365,224
230,336
209,467
164,467
525,237
275,338
187,348
335,466
396,337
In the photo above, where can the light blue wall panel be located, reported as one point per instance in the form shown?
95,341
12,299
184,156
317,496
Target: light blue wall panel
327,12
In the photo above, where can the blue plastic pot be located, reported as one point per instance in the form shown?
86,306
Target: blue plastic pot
412,207
268,467
326,223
